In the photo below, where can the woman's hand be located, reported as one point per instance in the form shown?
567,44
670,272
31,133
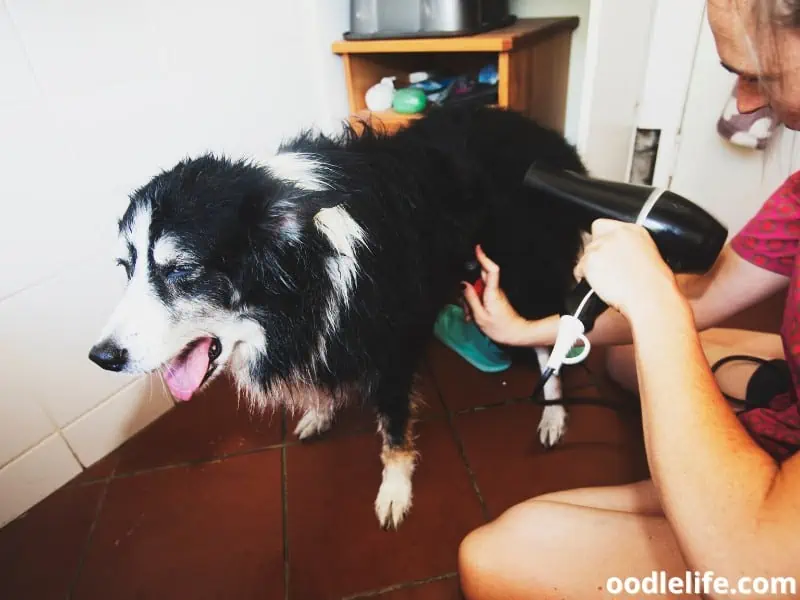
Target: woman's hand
491,310
624,267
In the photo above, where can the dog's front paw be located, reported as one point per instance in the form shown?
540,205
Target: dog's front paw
552,425
394,498
313,422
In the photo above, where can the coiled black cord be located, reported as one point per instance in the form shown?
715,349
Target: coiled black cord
761,387
548,373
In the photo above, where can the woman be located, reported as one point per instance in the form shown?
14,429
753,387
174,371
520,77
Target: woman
725,490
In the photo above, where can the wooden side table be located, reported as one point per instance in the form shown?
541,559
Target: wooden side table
532,59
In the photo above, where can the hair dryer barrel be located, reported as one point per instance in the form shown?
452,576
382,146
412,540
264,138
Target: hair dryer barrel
688,238
598,197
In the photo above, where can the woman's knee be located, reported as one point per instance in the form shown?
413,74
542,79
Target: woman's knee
490,564
475,560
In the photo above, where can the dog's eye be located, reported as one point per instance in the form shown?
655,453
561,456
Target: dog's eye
178,272
126,265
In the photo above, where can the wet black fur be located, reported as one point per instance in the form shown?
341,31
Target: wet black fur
424,197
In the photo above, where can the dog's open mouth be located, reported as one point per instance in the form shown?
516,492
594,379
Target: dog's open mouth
188,371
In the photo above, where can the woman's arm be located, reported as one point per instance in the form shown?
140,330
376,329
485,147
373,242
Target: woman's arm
731,286
733,510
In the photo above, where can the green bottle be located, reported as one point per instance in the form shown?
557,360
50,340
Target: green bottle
409,101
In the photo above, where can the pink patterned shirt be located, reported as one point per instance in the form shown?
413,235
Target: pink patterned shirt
771,240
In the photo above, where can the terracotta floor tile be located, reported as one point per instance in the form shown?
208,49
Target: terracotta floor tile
40,551
336,546
463,386
99,471
209,426
443,589
207,531
601,447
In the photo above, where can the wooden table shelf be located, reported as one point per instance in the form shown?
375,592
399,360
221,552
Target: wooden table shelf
531,56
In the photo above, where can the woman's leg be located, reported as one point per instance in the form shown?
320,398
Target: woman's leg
640,498
717,344
569,544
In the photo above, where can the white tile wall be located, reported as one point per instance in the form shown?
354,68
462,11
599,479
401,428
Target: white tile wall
34,475
85,44
19,84
124,414
51,328
30,423
95,98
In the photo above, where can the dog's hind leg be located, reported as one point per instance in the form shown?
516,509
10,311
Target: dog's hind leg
398,455
553,423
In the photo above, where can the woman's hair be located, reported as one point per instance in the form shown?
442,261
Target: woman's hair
778,13
769,18
773,15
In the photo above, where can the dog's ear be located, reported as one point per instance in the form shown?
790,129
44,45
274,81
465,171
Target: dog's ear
287,218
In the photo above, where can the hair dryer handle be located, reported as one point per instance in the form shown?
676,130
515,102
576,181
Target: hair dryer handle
583,303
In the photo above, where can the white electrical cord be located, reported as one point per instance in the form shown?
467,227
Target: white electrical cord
570,332
571,328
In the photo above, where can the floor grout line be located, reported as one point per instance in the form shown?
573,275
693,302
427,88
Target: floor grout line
400,586
448,414
470,473
89,535
329,436
460,446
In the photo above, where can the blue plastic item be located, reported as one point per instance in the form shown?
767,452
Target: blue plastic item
488,75
468,341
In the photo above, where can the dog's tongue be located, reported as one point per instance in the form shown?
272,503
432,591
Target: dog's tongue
185,374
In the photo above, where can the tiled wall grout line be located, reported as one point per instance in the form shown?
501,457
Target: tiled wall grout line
87,544
400,586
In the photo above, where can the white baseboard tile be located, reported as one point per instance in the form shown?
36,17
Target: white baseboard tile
120,417
34,475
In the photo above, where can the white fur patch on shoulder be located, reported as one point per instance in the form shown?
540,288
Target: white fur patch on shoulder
345,235
166,250
304,170
341,230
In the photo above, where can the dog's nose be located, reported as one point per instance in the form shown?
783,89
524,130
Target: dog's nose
108,355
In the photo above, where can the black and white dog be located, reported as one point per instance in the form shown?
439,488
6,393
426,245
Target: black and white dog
315,278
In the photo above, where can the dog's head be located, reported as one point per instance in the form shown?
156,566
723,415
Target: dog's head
213,252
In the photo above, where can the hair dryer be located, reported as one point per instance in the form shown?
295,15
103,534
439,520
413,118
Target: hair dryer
688,238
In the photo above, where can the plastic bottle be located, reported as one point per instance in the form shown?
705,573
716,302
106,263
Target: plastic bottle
380,96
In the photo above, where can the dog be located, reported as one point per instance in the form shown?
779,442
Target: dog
315,277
